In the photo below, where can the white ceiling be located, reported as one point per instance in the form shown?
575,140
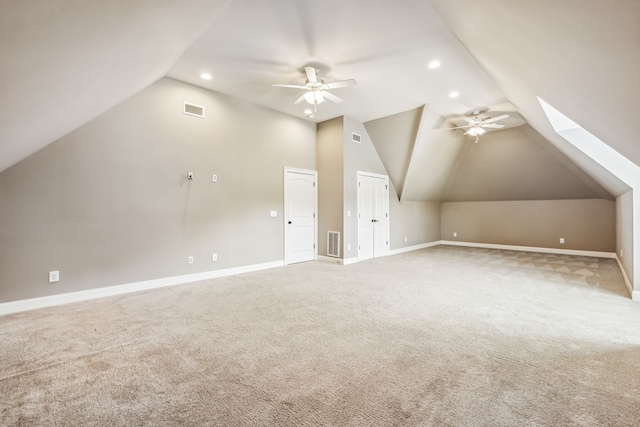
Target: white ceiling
385,48
70,61
65,62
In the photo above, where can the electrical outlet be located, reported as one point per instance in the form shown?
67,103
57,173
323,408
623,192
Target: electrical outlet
455,234
190,260
405,239
214,257
562,240
54,276
348,246
214,178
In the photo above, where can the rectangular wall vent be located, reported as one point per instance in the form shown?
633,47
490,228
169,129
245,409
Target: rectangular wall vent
333,243
356,138
193,109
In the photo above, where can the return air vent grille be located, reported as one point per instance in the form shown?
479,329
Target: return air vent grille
333,243
356,137
193,110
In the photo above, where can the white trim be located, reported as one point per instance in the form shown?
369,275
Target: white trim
329,259
285,212
333,260
414,248
531,249
627,282
54,300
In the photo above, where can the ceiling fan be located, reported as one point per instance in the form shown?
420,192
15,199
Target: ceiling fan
316,89
476,126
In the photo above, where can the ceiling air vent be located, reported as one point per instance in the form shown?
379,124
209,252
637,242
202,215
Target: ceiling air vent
355,137
193,109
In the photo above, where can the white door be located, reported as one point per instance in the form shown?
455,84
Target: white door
373,216
300,222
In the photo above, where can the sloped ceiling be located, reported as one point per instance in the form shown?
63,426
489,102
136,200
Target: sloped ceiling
67,61
581,56
64,62
444,165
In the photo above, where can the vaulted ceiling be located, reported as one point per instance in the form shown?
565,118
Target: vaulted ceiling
66,62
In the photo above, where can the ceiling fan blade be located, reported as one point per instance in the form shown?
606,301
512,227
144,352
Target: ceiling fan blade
299,100
454,128
491,125
311,74
289,86
331,97
495,119
341,83
467,132
470,121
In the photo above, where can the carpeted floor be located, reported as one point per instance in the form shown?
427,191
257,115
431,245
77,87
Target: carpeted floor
445,336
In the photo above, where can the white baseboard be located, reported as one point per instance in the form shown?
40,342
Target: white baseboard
414,248
329,259
345,261
635,295
53,300
531,249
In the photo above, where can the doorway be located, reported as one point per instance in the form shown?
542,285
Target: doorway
300,218
373,215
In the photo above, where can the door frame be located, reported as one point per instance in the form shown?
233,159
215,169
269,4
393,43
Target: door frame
285,211
386,206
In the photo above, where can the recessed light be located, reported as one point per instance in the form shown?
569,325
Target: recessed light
454,94
434,64
206,76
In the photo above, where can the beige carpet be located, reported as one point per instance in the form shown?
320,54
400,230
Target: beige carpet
445,336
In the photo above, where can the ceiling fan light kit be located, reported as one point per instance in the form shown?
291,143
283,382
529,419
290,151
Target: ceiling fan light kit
475,131
313,97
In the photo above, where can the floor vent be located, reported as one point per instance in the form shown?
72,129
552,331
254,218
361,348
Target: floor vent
193,110
356,138
333,243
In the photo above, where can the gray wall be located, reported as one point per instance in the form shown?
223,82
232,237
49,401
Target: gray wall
110,204
624,232
585,224
418,221
330,181
517,164
357,157
338,191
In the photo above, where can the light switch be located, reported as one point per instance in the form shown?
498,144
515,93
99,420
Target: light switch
273,214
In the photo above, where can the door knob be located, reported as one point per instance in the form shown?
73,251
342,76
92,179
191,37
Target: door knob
289,222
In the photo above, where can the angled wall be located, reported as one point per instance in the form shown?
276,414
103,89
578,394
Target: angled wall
514,164
110,203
